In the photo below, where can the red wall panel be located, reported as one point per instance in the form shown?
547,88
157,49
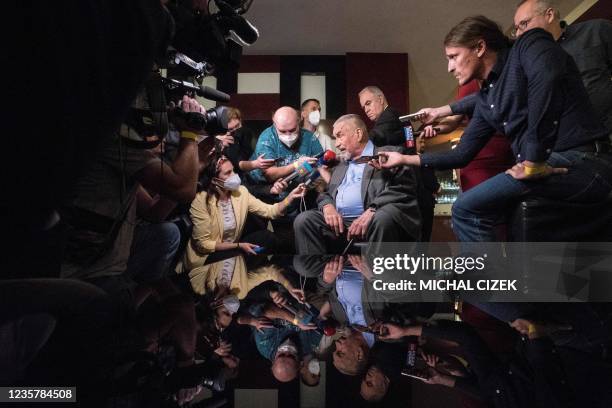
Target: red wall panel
259,63
601,9
256,106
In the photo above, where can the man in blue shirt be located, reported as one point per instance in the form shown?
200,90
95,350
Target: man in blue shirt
288,143
360,203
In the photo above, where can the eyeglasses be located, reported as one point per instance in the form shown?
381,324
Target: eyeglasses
523,24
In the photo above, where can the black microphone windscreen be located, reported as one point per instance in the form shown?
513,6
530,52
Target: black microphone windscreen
213,94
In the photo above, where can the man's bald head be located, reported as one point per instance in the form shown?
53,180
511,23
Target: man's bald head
286,120
532,14
285,368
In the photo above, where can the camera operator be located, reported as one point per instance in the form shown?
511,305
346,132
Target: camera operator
101,215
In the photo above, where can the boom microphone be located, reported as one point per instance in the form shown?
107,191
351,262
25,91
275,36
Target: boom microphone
203,91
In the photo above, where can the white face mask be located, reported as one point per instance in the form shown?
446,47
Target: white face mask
314,118
231,302
287,346
289,140
232,183
314,367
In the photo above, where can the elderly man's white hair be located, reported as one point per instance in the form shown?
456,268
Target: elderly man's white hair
373,90
355,120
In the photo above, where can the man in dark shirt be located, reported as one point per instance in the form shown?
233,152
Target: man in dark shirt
589,43
534,95
537,374
387,130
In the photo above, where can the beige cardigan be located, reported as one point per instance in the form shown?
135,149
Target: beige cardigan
204,278
208,225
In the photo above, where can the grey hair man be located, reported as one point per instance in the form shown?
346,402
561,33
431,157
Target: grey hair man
388,129
360,203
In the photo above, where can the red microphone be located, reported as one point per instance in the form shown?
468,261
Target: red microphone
328,158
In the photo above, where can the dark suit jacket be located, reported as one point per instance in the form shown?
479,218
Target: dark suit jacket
388,130
395,187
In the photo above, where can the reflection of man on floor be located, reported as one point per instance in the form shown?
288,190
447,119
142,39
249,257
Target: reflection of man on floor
360,202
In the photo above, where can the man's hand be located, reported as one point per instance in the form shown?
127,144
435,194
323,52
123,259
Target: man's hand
332,269
359,227
429,131
188,105
278,187
224,349
390,331
261,163
310,160
361,265
436,377
430,115
260,323
430,359
247,248
388,160
333,219
309,326
226,139
185,395
544,170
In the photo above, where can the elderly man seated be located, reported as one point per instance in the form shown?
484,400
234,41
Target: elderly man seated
361,203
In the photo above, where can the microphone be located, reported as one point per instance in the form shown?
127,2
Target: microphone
312,178
306,168
327,159
203,91
301,171
213,94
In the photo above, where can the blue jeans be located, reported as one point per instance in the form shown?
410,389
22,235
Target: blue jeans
153,249
477,211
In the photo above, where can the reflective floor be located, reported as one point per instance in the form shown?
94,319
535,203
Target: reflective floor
296,332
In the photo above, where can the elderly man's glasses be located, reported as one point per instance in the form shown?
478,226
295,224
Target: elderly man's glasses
523,24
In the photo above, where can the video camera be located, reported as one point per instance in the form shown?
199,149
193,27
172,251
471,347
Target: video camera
216,37
203,42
